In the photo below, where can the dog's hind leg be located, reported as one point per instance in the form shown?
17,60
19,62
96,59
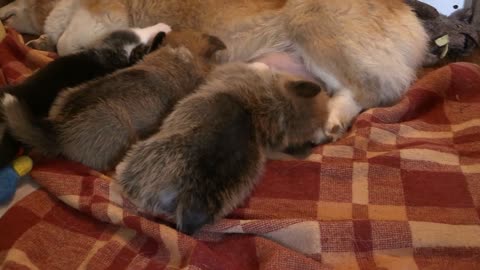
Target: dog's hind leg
325,59
55,25
364,61
59,19
87,27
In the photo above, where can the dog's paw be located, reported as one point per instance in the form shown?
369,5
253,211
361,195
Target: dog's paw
43,43
335,128
342,110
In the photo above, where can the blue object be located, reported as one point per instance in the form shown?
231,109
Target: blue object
10,175
8,184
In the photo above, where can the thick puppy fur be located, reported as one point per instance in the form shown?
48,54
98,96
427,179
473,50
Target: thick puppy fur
210,151
97,122
117,50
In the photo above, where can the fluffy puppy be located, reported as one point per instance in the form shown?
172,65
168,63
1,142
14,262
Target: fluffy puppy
210,151
117,50
97,122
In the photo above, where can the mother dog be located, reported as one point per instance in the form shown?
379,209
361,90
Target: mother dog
365,52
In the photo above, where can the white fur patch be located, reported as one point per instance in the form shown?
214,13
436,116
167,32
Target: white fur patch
148,33
344,103
342,110
78,34
330,81
59,19
259,66
8,100
85,28
319,137
129,48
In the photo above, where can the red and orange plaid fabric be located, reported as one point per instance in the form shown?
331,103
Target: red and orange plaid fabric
401,191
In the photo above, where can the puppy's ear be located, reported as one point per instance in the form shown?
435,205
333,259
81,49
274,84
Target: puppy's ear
157,41
304,89
214,45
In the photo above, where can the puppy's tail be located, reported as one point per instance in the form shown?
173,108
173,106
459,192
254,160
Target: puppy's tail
27,129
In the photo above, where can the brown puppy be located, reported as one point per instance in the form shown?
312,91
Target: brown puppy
210,151
97,122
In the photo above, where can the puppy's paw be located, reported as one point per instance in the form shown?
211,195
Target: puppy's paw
335,128
148,33
161,27
43,43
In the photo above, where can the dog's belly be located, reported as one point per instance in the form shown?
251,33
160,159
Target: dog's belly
286,63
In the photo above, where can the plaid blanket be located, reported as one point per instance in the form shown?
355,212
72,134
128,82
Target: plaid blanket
401,191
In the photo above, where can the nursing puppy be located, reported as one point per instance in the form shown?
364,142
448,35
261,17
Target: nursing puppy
365,51
96,123
115,51
210,151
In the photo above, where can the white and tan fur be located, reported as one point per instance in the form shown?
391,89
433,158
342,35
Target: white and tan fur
365,52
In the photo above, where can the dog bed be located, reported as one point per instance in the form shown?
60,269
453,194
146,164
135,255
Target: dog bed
400,191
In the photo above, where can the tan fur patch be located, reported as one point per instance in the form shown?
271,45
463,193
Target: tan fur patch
103,6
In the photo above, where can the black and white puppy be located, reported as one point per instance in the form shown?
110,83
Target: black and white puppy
119,49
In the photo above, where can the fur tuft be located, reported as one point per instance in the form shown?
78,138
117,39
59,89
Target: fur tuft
26,129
